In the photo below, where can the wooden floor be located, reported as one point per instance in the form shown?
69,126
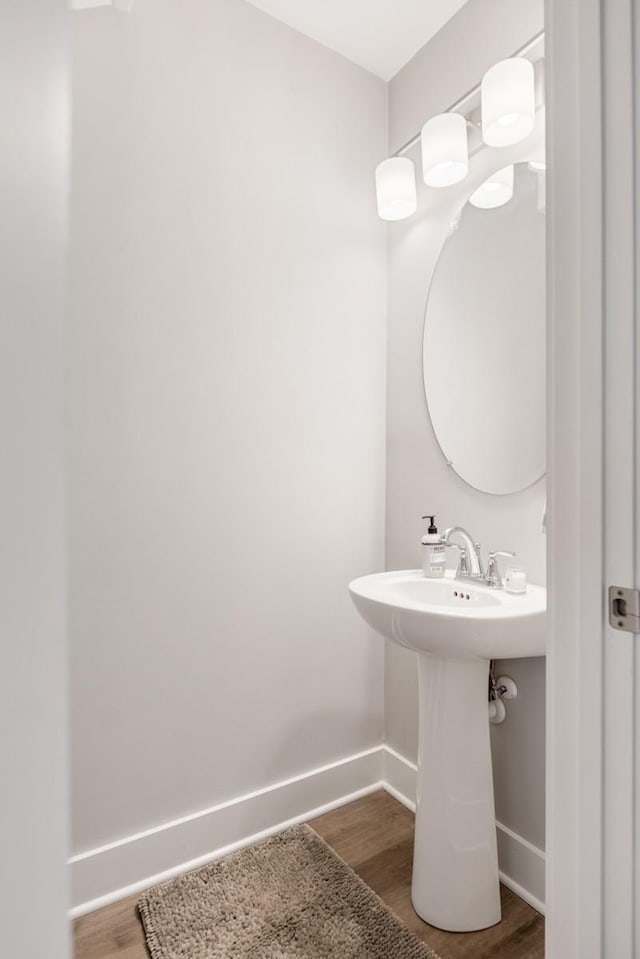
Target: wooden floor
375,836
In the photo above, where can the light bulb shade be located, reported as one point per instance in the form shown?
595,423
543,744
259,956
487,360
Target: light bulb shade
542,192
396,188
495,191
445,150
508,102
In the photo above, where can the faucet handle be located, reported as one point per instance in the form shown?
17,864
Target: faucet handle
493,579
463,560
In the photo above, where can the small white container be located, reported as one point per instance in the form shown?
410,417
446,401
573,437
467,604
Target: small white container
515,579
434,557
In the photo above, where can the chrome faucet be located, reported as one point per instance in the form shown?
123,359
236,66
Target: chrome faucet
470,565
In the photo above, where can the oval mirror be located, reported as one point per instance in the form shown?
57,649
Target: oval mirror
485,341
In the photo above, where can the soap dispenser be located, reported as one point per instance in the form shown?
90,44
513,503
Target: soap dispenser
434,558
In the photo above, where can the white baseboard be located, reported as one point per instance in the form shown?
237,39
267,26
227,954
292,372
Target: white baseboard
121,868
521,863
522,867
400,776
129,865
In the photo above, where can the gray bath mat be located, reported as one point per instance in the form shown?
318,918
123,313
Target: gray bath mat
289,897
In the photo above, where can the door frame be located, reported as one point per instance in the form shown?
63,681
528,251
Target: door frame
592,446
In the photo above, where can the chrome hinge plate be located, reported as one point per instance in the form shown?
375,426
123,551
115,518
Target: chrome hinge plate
624,609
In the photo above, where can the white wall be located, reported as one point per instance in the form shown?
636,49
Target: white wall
226,397
418,480
33,186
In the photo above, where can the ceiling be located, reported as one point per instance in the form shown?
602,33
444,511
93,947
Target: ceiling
379,35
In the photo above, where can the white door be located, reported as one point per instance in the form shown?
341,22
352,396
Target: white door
33,198
593,670
620,478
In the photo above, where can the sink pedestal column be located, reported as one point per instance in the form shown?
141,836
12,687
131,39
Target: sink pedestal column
455,868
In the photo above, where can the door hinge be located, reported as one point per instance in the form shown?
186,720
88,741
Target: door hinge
624,609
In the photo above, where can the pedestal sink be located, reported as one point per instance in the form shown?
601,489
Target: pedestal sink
456,627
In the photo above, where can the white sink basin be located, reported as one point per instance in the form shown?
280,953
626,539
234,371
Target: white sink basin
455,627
452,618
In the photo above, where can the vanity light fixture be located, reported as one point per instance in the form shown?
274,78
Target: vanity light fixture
495,191
508,102
396,188
445,150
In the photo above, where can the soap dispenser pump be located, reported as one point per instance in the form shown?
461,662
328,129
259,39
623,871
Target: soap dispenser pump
434,559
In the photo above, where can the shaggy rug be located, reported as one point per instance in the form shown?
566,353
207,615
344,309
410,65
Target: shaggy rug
288,897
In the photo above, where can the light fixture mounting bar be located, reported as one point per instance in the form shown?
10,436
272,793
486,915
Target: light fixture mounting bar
533,50
124,5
